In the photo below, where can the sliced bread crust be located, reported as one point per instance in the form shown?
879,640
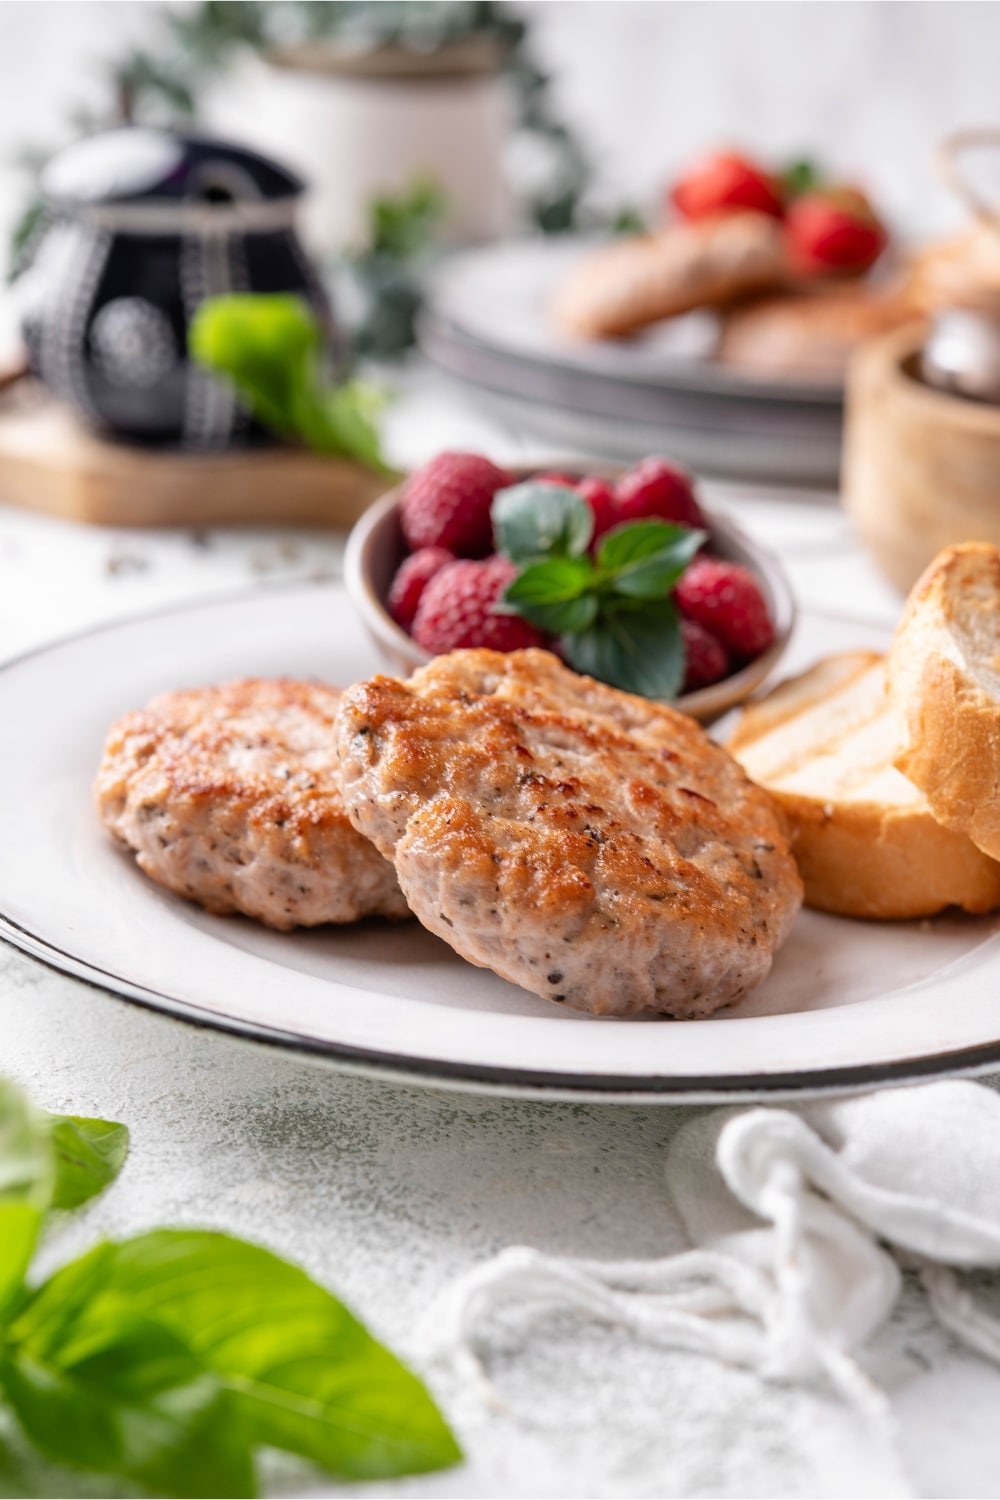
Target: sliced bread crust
943,675
866,842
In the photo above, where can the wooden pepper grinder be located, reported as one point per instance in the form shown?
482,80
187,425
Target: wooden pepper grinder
962,351
921,460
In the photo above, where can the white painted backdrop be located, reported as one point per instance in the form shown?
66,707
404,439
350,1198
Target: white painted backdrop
869,85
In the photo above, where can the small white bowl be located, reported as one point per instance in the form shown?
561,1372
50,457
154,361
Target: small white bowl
375,548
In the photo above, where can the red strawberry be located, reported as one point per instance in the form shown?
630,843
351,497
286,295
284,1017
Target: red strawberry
723,183
458,609
412,577
726,600
603,501
705,657
447,504
833,230
656,489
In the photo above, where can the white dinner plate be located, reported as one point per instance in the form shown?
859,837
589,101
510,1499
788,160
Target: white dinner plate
848,1004
487,322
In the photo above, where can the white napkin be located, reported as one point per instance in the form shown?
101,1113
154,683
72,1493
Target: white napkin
801,1221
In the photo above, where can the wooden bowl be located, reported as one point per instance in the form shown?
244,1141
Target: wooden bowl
921,467
375,549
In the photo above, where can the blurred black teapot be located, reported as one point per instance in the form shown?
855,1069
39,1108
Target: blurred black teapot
142,226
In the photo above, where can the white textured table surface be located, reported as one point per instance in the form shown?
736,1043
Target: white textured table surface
386,1192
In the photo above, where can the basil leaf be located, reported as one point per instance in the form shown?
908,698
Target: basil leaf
89,1154
104,1388
27,1177
270,346
534,520
303,1373
637,651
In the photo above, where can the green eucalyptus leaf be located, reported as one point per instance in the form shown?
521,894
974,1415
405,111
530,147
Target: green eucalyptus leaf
89,1155
302,1373
538,519
27,1180
639,651
98,1385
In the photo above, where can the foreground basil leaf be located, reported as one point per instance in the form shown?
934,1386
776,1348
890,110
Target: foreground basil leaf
89,1154
639,651
536,519
27,1177
302,1372
108,1390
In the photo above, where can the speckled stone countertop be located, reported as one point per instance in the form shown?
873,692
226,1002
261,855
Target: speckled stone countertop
385,1192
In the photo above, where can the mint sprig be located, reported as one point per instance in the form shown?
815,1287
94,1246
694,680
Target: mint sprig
167,1359
613,612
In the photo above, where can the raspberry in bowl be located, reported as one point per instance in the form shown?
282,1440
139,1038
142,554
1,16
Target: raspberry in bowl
577,561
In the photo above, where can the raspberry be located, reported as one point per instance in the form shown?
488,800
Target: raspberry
457,610
552,477
705,657
603,502
447,504
658,490
726,600
412,577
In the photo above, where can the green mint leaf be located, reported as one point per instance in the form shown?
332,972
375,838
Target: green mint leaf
27,1180
270,346
644,559
89,1155
534,520
301,1372
639,651
97,1385
554,594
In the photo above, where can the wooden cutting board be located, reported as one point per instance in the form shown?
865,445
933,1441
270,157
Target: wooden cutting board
50,462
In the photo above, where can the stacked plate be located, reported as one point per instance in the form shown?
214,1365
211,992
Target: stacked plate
486,323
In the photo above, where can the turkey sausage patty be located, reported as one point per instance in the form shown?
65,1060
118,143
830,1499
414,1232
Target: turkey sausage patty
594,847
231,796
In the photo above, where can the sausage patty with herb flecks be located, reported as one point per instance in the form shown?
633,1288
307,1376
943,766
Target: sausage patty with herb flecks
231,796
594,847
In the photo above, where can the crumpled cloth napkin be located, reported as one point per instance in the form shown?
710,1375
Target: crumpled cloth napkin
801,1221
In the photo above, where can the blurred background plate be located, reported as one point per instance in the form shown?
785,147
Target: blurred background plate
485,322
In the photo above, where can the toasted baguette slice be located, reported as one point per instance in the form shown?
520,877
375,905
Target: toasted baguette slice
943,674
867,844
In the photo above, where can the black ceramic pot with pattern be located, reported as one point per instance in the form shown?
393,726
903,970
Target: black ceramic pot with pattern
143,225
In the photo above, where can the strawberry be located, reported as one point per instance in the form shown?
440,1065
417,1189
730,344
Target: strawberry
726,600
412,577
833,230
705,657
656,489
447,504
458,609
726,182
603,501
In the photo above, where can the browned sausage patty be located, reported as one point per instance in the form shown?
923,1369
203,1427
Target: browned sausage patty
231,796
594,847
